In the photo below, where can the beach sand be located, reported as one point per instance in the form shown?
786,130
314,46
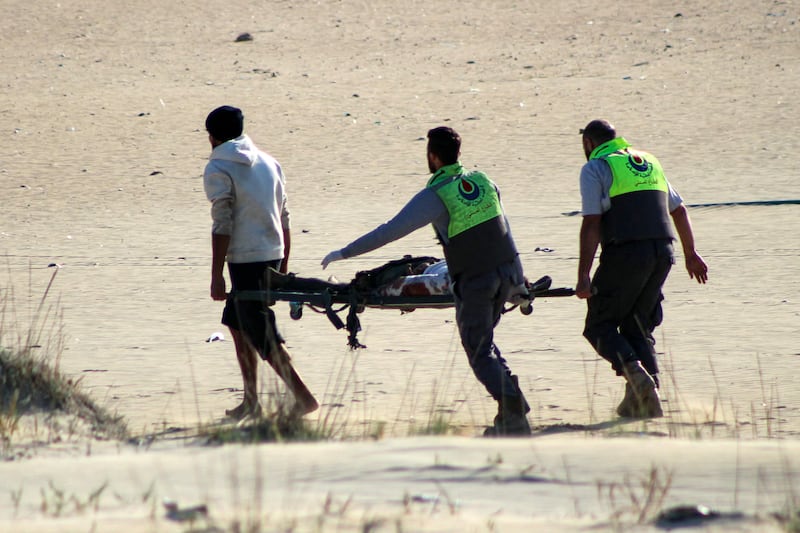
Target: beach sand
102,111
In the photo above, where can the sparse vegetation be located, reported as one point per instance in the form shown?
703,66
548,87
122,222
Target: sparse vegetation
639,499
438,424
29,385
56,502
32,386
281,427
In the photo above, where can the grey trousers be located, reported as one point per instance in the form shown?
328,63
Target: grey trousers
479,301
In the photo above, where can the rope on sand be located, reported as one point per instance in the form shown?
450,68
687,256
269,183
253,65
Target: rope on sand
754,202
719,204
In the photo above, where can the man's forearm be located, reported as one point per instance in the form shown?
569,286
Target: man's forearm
695,264
287,248
589,241
683,226
219,249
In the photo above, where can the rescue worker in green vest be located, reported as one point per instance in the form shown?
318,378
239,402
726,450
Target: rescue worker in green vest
467,216
626,203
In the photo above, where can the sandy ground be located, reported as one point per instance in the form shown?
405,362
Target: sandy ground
102,114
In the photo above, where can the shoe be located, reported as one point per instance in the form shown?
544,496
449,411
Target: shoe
627,407
510,420
525,407
641,395
510,425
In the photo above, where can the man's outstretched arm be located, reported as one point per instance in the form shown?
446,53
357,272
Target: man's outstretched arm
422,209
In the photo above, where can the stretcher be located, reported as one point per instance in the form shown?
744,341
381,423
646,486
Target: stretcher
394,285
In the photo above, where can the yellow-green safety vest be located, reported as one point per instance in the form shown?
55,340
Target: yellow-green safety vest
470,198
639,194
633,170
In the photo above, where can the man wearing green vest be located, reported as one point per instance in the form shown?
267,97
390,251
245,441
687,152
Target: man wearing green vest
466,213
626,203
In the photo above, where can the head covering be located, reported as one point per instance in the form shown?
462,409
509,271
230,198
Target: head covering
225,123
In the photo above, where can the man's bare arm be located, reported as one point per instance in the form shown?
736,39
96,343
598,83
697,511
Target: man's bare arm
287,247
589,241
219,249
695,265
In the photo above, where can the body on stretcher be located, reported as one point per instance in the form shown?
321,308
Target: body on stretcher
406,284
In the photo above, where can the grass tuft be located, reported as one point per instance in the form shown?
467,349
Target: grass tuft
279,428
31,385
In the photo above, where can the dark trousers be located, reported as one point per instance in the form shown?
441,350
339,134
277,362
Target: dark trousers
479,301
625,308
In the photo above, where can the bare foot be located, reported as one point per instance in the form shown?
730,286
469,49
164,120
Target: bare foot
302,408
244,409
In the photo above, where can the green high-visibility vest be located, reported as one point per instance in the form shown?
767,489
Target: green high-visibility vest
639,194
470,198
633,170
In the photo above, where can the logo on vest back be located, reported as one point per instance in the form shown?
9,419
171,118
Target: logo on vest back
642,168
639,165
469,192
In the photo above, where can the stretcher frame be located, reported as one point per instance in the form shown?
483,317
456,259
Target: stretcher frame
323,297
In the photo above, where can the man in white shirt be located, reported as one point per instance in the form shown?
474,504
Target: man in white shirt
251,231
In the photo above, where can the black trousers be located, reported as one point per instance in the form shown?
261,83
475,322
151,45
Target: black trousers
253,318
625,308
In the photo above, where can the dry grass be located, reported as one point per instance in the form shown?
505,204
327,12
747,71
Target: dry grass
31,384
639,500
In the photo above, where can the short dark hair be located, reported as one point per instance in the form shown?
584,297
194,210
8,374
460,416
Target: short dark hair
600,131
444,143
225,123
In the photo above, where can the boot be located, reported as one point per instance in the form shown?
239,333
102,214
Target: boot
510,420
627,407
643,400
525,407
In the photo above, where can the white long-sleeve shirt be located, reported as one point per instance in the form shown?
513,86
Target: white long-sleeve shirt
247,191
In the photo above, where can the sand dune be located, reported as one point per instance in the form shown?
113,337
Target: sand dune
103,108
